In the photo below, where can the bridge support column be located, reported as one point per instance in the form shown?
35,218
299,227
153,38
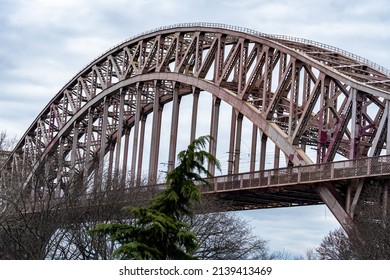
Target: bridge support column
235,142
194,119
136,135
232,138
110,165
119,136
141,150
156,135
237,150
88,140
174,127
214,131
277,157
357,103
263,150
253,149
125,157
103,128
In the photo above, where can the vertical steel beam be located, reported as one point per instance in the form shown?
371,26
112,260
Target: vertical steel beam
156,135
323,116
174,127
381,133
137,121
233,124
263,150
88,139
388,128
219,57
103,140
267,80
179,49
242,67
141,150
60,169
125,156
277,157
111,148
294,98
237,150
119,133
74,148
252,166
214,131
199,53
356,120
194,119
306,87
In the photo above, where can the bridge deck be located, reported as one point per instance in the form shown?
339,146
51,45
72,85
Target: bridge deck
284,187
293,186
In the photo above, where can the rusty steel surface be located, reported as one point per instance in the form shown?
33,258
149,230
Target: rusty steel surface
297,94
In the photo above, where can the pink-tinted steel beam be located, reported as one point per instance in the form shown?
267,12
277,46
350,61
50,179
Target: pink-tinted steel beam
136,133
252,166
174,127
237,150
156,135
141,150
355,124
110,165
125,157
88,140
119,135
263,151
233,124
214,131
194,118
103,126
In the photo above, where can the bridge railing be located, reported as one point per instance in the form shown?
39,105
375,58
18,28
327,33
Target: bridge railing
282,177
341,170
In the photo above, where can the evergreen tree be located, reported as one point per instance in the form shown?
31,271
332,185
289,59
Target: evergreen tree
159,230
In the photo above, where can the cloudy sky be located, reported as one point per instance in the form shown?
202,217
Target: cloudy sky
44,43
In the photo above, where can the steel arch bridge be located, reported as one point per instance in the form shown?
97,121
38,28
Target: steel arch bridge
298,96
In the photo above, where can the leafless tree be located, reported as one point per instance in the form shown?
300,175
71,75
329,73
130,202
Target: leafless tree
6,142
370,239
225,235
335,246
41,224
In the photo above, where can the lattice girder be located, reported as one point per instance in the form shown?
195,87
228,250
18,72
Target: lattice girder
298,93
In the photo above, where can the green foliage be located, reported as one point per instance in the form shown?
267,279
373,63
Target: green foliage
158,230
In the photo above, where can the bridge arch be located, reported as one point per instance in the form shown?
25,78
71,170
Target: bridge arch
299,93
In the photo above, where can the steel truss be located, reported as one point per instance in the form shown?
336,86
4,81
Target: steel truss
297,93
